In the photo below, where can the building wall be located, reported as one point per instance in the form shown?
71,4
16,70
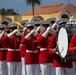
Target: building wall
17,18
29,17
45,16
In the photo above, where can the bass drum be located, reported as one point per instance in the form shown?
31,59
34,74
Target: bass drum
62,43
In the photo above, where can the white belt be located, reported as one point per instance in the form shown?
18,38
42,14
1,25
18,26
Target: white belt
30,51
22,45
3,48
13,49
42,49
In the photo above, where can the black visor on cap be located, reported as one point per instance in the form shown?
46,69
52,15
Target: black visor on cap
13,28
45,25
30,27
37,25
52,22
2,28
23,24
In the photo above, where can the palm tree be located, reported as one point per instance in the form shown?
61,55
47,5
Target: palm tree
33,3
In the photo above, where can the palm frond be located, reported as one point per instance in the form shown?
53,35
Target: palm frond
30,2
33,3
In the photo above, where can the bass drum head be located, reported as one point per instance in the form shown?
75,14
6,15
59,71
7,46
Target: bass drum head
62,42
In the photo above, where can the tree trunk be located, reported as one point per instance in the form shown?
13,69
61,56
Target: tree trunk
33,9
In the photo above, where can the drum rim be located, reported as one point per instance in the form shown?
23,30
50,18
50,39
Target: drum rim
57,40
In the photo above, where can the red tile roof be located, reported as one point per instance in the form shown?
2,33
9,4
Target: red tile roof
52,8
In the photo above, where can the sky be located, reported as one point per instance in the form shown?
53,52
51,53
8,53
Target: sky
21,7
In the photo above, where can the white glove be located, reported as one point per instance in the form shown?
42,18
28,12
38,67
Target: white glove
53,25
12,33
18,34
38,28
24,29
28,35
52,31
72,18
16,30
1,35
46,32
